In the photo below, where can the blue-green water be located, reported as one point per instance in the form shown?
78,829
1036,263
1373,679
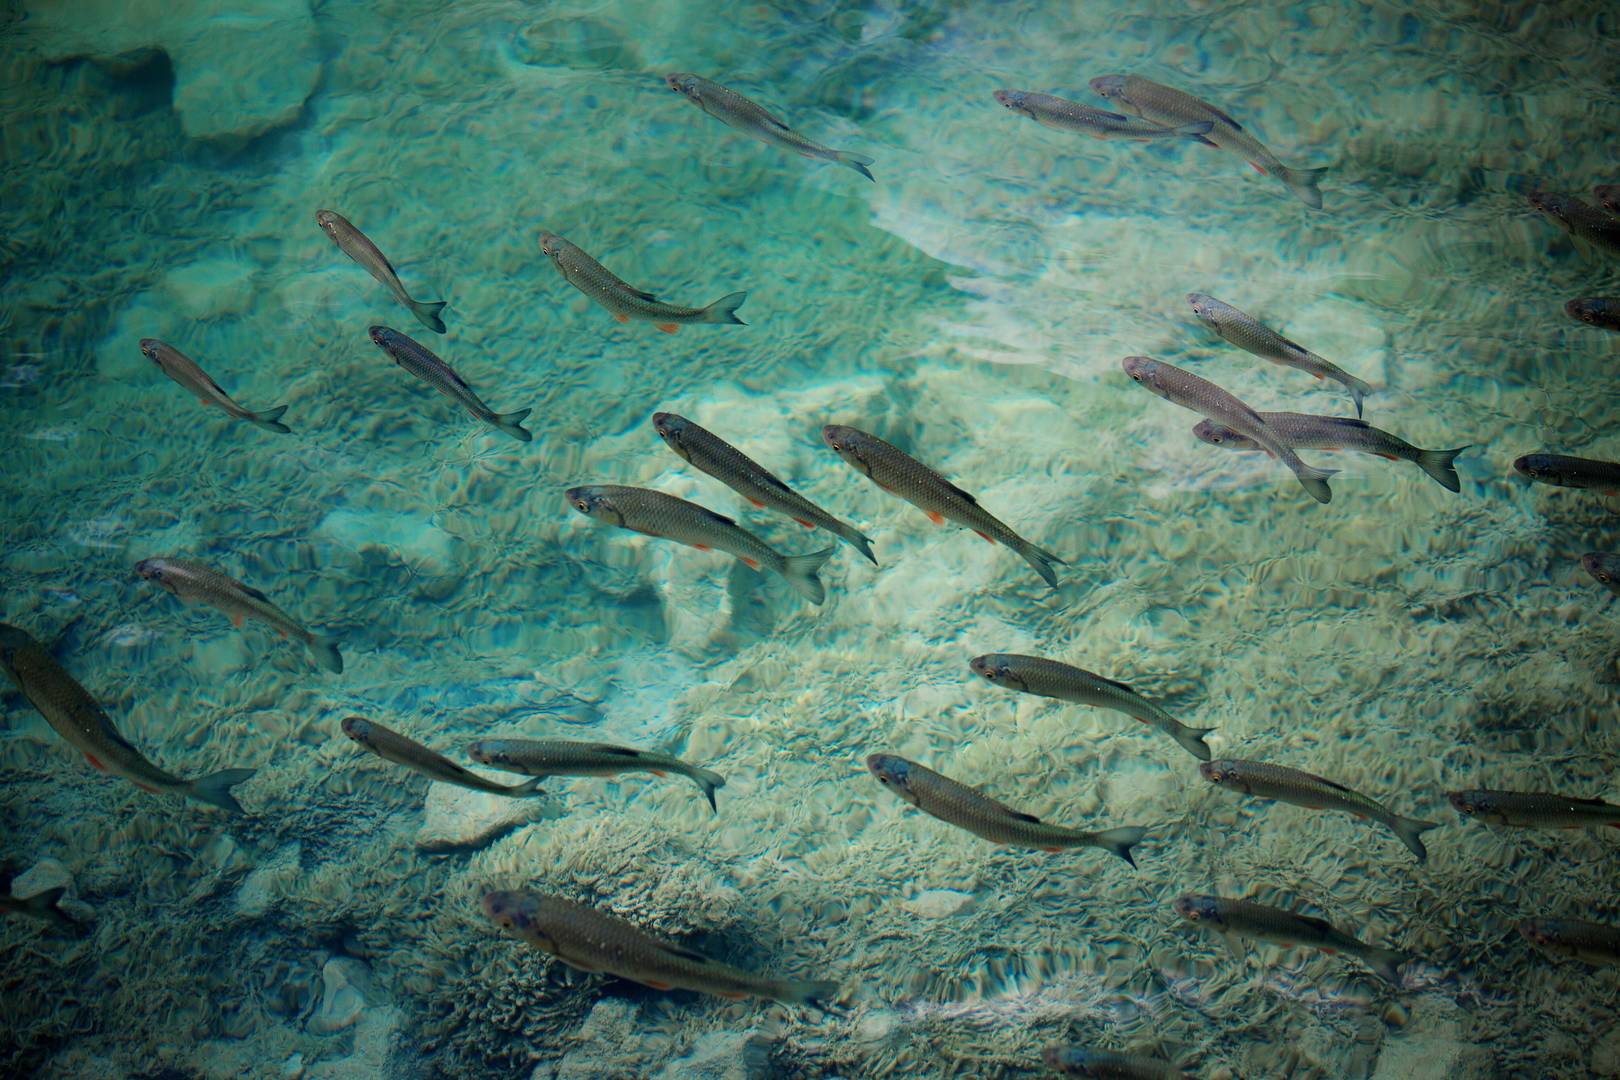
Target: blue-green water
163,166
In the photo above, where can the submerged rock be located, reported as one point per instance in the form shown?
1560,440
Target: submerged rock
723,1055
345,992
456,818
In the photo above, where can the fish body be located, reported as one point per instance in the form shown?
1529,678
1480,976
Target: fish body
591,940
734,110
1049,678
1204,397
900,474
1602,312
1252,335
669,518
1591,942
421,362
1107,1064
1605,569
357,246
568,757
184,370
1279,927
1608,196
626,302
390,745
957,804
1171,108
1300,431
80,721
1267,781
1560,470
707,451
1534,809
195,583
1579,218
1065,115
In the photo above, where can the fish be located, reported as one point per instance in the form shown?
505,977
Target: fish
1300,431
1065,115
1050,678
1579,218
1534,809
1602,312
184,370
1170,107
1279,927
415,358
1560,470
390,745
1591,942
1107,1064
624,302
1252,335
568,757
656,514
967,808
902,475
83,724
1608,196
195,583
707,451
1605,569
731,108
1268,781
590,940
357,246
1202,396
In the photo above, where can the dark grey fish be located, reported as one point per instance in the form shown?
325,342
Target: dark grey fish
1579,218
626,302
571,757
734,110
1065,115
1251,335
1593,943
1602,312
1305,432
390,745
1261,923
183,370
419,361
1534,809
354,243
1561,470
1605,569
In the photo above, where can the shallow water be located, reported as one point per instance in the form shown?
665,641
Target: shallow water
163,169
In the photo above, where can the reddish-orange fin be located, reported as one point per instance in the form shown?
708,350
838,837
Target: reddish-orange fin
1316,374
1359,814
1052,849
935,516
94,764
757,503
621,318
753,564
1259,168
657,985
1329,950
703,547
236,621
668,327
806,524
658,772
987,539
1387,457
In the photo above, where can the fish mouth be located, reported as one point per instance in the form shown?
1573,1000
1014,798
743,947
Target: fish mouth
1461,802
148,569
673,81
378,335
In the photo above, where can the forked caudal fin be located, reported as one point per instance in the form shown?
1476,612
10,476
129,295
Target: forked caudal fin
810,992
724,310
1358,391
1041,560
1192,740
269,419
1303,183
1120,841
216,788
427,313
510,424
1440,465
325,653
1386,962
801,573
708,781
859,542
1314,480
1410,832
858,162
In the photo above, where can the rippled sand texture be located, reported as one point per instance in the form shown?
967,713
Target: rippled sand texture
972,307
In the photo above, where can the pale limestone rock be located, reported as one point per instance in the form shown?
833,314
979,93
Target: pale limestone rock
456,818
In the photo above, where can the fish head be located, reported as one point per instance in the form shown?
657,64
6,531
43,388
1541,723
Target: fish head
1583,310
595,502
686,84
384,337
151,349
1541,932
995,668
849,444
1223,774
1013,100
1543,467
489,752
1206,307
358,728
1146,371
894,773
1550,203
156,570
1215,434
328,221
551,244
673,430
1469,803
515,913
1605,569
1111,87
1199,909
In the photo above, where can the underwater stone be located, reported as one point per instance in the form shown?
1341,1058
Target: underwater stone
611,1042
267,885
345,984
43,876
237,74
456,818
937,903
723,1055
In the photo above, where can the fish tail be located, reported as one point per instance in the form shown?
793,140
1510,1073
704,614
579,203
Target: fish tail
859,542
1303,183
270,420
529,788
1410,831
325,652
724,310
1192,740
1120,841
1041,560
708,780
1439,464
858,162
1386,962
427,313
808,992
509,423
801,573
1196,131
216,788
1358,391
1314,480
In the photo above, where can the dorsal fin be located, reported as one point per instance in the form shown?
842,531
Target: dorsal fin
1019,815
777,484
1315,923
457,379
1116,684
1336,786
1295,345
721,518
962,493
686,954
1347,421
255,593
647,296
617,751
1119,117
1590,802
1223,116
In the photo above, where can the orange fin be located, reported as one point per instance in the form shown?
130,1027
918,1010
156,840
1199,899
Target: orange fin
656,985
806,524
94,764
756,502
1329,950
621,318
1261,169
668,327
703,547
1358,814
935,516
987,539
1053,849
1315,374
753,564
237,621
658,772
1387,457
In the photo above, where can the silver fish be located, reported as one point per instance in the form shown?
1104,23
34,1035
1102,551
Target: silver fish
1602,312
183,370
570,757
419,361
1579,218
1534,809
731,108
354,243
1172,108
707,451
626,302
1590,942
1304,432
898,473
390,745
1202,396
1561,470
1262,923
1604,568
1252,335
1065,115
665,516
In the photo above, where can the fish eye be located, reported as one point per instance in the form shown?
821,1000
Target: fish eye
1192,913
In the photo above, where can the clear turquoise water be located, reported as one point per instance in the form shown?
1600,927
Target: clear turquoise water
162,170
